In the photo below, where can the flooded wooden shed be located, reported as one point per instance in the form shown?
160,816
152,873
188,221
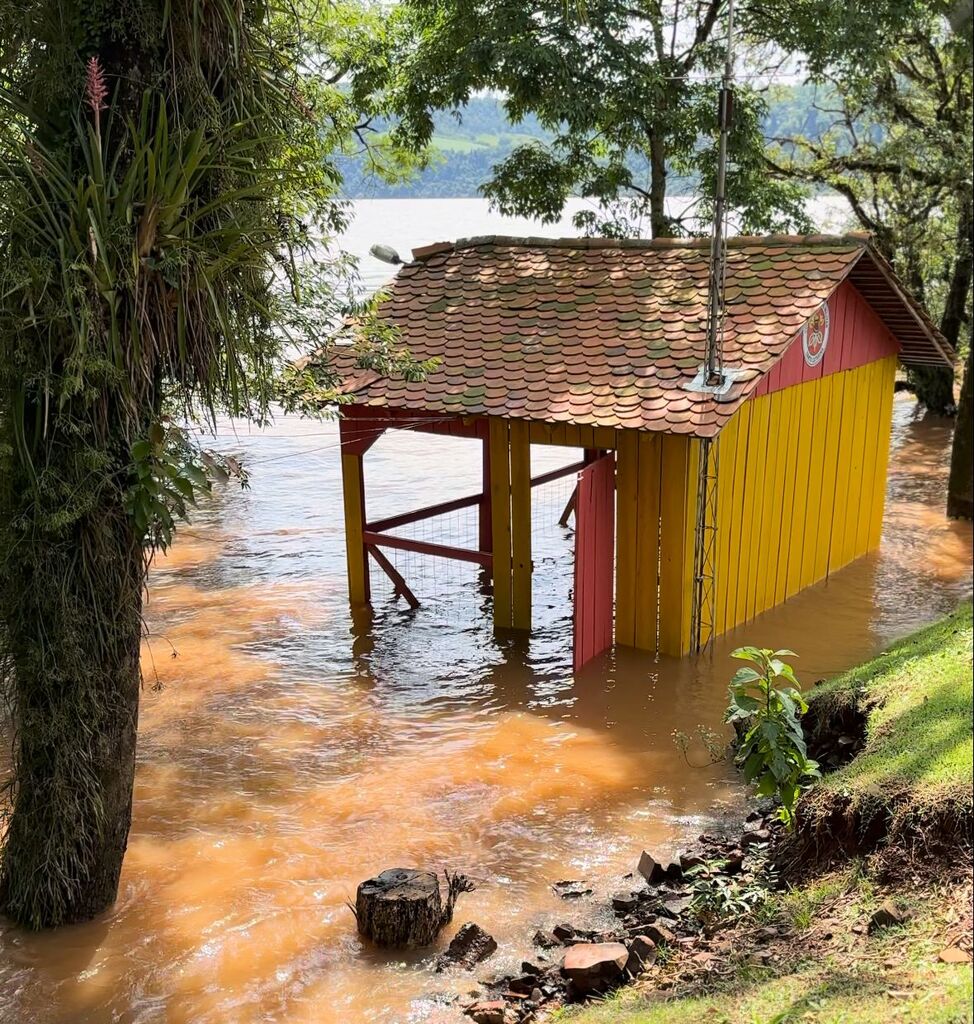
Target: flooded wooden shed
695,504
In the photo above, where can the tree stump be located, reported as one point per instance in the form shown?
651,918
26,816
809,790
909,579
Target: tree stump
403,906
400,907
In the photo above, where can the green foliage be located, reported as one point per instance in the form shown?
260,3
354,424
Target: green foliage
771,752
171,472
897,145
710,740
719,899
309,387
467,144
850,37
801,907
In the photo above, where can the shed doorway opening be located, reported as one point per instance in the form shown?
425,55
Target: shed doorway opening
492,517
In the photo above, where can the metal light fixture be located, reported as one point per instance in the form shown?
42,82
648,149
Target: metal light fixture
385,253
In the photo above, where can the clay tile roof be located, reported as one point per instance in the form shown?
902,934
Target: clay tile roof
608,332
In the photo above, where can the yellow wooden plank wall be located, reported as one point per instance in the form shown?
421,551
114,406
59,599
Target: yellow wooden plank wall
757,456
678,495
648,534
638,489
732,475
627,490
572,435
727,456
802,478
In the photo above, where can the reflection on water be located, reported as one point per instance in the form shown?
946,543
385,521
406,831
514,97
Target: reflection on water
288,751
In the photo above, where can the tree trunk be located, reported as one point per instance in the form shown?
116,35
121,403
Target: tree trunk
73,680
400,907
659,222
959,291
934,388
960,489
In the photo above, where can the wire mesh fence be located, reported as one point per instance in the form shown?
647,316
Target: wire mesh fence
455,591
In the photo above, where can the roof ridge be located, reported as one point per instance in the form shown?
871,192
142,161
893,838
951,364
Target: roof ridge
422,253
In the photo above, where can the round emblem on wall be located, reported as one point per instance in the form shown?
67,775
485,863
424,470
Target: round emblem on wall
815,335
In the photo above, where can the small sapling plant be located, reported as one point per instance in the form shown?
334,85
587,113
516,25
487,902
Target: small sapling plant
719,900
771,751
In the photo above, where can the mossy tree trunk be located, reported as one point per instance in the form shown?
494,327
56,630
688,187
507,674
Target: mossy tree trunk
72,559
74,571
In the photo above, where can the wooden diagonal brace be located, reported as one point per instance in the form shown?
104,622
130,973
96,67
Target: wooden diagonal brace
400,585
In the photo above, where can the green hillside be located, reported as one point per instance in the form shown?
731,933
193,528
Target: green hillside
467,147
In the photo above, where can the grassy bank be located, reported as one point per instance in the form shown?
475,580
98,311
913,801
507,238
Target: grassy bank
810,954
916,762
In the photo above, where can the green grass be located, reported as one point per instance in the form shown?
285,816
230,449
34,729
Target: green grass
851,979
824,994
801,907
919,749
917,759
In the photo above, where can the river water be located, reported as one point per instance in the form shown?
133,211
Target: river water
288,750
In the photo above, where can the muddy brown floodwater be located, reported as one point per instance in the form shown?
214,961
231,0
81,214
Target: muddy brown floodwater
287,751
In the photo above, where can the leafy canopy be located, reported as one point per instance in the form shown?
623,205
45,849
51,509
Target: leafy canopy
628,92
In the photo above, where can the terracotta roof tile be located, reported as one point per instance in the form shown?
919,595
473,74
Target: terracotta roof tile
607,332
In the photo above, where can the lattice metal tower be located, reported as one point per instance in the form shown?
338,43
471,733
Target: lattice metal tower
712,375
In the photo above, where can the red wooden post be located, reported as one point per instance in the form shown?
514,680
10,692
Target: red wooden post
594,544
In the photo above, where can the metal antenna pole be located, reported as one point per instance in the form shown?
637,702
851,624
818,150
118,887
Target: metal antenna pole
702,618
714,371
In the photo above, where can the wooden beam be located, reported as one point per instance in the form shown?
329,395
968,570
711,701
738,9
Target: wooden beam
423,547
650,487
402,589
569,507
443,507
627,476
404,518
677,507
485,534
557,474
358,436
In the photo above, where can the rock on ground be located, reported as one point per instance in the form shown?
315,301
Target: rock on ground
594,966
654,871
488,1011
469,947
642,954
887,916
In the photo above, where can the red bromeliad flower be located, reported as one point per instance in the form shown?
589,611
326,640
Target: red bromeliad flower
95,88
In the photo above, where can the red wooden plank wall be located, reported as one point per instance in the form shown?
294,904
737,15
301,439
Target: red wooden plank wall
856,337
594,549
